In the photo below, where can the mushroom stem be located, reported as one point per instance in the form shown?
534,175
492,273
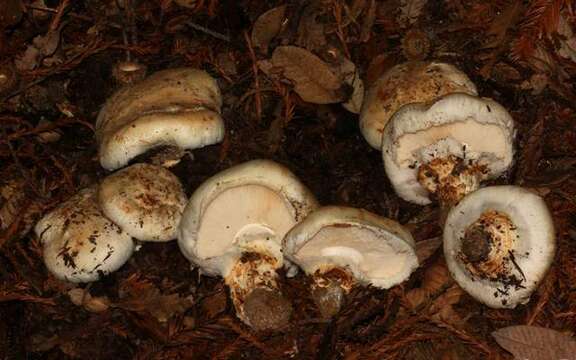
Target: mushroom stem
329,290
487,246
253,283
449,179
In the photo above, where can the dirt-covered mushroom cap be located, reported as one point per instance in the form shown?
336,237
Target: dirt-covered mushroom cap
376,250
457,141
145,200
80,244
233,226
499,243
407,83
175,107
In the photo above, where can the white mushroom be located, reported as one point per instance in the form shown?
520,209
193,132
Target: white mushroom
80,243
447,148
233,226
407,83
499,243
176,107
145,200
341,246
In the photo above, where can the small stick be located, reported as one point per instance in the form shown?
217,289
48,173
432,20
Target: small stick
59,13
208,31
258,99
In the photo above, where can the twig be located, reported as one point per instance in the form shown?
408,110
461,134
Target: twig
249,337
55,24
258,99
463,335
208,31
41,129
72,15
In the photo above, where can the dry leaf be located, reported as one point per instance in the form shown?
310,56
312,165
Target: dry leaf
140,295
368,22
436,277
532,342
312,29
498,30
215,304
449,316
416,297
267,27
425,248
451,297
351,76
313,79
81,297
41,47
410,11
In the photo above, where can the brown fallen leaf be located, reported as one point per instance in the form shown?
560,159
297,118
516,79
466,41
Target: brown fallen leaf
267,27
141,295
410,11
425,248
313,79
533,342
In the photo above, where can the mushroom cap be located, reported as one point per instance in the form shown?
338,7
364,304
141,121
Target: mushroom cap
472,128
178,107
410,82
80,243
533,249
237,209
377,250
145,200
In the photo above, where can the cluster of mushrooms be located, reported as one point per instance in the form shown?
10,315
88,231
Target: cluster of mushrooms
439,142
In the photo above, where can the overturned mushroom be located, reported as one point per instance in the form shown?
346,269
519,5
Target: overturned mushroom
341,247
444,150
499,243
80,243
177,109
407,83
145,200
233,226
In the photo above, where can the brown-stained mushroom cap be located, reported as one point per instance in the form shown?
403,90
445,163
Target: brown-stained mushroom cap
175,107
145,200
407,83
79,243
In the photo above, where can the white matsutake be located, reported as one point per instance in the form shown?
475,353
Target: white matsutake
377,251
175,107
408,83
447,147
145,200
79,243
499,242
234,224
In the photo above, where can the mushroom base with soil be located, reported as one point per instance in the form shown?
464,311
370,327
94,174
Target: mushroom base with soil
253,283
330,287
487,246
